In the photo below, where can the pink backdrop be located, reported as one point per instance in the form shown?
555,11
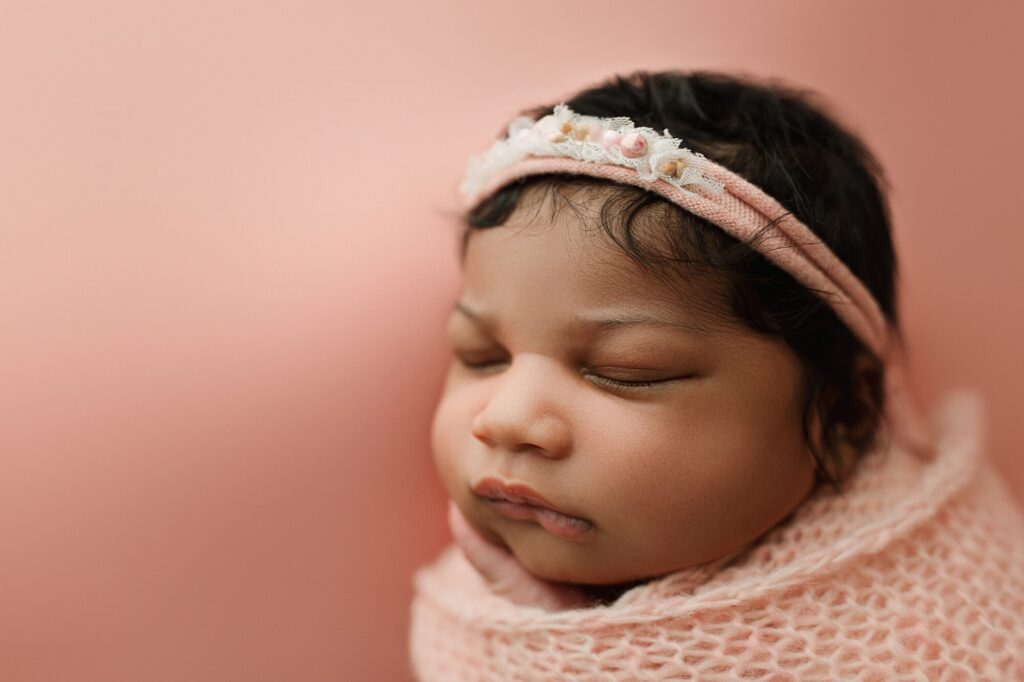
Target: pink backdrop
226,254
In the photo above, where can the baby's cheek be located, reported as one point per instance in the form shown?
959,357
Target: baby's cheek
451,448
663,509
445,449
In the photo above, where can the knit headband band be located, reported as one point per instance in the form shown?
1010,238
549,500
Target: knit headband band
613,148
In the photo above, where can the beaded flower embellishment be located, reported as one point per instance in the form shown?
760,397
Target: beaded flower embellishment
564,133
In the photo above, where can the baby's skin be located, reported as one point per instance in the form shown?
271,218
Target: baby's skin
507,577
634,403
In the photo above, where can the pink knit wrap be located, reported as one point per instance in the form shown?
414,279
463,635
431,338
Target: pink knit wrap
915,572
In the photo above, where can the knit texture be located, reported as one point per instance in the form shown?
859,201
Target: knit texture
915,572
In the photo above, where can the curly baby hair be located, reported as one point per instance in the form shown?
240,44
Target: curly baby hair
783,139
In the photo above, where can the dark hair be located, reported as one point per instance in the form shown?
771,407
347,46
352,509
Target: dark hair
780,138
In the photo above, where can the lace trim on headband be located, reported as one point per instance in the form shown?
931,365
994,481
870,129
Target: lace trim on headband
564,133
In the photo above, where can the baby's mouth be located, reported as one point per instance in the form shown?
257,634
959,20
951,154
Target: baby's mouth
558,524
516,500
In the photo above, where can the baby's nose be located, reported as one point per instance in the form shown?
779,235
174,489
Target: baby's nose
528,408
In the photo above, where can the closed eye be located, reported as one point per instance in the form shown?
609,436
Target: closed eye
478,365
626,384
617,383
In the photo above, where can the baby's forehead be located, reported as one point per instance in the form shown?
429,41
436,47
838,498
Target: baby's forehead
699,301
607,224
602,281
571,230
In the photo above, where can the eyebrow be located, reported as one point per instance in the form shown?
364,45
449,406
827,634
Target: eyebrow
616,320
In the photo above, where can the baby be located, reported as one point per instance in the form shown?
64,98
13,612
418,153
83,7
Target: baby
643,388
633,367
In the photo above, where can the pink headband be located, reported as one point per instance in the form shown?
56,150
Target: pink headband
613,148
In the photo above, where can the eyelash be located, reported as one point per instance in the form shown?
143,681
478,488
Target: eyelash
625,384
606,380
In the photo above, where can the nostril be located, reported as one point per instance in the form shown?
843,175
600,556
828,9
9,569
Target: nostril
480,430
484,438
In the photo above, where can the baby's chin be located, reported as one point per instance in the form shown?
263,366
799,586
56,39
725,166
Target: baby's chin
595,566
602,590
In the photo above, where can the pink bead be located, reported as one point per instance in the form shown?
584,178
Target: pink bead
610,139
633,145
596,132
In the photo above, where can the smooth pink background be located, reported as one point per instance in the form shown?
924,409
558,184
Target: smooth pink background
226,255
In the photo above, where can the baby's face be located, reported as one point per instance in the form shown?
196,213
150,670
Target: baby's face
669,475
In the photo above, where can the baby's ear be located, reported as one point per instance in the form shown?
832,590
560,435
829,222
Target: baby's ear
838,453
844,456
855,437
838,459
866,366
